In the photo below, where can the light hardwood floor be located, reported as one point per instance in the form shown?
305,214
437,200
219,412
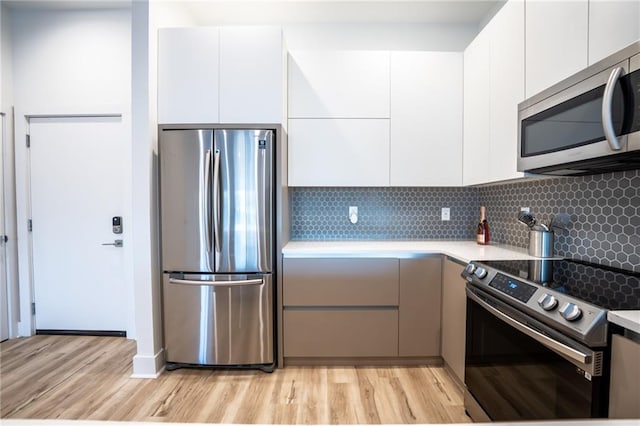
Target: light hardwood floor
69,377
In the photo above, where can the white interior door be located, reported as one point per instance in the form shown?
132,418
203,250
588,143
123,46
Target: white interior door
4,304
77,186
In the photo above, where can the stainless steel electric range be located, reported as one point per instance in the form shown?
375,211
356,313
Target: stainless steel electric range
538,340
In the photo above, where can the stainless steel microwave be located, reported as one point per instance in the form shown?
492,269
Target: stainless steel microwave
588,123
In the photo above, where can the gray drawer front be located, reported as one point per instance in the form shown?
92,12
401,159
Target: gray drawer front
341,333
340,282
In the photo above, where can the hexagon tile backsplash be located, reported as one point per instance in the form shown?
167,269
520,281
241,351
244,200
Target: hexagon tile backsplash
604,209
383,213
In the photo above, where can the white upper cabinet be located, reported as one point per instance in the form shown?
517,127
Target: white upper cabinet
188,75
251,75
556,41
426,119
221,75
339,84
613,24
507,89
477,134
338,152
493,87
338,124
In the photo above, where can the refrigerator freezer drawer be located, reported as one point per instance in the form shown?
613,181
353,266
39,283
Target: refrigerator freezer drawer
218,319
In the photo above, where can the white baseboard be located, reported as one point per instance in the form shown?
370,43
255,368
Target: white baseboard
148,367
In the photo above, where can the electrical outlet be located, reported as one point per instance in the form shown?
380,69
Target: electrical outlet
446,213
353,214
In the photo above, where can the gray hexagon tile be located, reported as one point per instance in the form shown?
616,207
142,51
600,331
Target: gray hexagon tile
604,210
383,213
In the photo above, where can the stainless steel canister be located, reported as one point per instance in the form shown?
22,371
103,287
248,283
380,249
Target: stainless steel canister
541,271
541,243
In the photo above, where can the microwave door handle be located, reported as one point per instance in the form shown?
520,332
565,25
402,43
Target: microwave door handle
607,116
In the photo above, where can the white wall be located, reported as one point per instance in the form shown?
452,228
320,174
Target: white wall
68,62
6,78
6,106
357,25
379,37
69,59
147,17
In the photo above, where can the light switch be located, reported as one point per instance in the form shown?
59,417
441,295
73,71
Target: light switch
446,213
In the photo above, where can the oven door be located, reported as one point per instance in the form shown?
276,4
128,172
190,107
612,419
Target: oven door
516,368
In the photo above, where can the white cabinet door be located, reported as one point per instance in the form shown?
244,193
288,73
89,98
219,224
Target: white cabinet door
613,24
251,75
507,89
556,41
188,75
426,119
338,84
494,85
338,152
476,110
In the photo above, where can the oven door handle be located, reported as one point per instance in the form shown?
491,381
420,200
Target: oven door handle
547,341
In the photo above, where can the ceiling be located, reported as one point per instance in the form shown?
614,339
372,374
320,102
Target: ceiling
66,4
450,12
210,12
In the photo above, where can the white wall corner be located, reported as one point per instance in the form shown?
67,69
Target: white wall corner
148,366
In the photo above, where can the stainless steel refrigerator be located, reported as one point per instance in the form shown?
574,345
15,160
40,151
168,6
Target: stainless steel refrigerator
217,227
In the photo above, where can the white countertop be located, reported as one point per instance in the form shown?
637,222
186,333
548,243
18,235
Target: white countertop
465,251
626,319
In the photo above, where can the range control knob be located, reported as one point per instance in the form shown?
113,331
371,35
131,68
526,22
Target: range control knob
570,312
470,269
548,302
480,272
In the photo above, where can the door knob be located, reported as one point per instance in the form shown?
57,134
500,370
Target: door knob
115,243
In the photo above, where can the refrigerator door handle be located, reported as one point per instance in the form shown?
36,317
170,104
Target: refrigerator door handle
207,201
216,199
240,283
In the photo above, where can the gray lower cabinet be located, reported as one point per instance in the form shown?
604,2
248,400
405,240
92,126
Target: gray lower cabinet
419,308
361,307
454,312
340,307
624,398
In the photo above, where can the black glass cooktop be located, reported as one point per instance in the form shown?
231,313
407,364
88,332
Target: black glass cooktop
603,286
